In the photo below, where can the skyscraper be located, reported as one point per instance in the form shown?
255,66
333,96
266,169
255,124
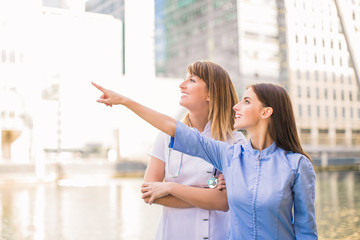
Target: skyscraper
319,69
222,31
310,47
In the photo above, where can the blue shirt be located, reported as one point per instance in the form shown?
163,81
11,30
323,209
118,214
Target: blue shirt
271,193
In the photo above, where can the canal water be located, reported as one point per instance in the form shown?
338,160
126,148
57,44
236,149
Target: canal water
97,209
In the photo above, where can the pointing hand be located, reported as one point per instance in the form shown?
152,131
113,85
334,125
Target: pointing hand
109,97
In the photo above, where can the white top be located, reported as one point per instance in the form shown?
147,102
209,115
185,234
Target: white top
190,223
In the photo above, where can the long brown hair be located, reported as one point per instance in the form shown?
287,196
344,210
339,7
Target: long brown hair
282,126
223,97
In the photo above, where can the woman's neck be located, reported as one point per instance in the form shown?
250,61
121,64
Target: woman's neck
198,121
260,138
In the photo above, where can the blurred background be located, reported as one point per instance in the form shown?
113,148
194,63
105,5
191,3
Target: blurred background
71,168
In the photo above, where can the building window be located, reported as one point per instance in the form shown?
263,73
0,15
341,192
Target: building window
331,44
308,92
332,61
298,74
350,96
12,56
351,113
341,62
356,137
326,93
309,110
333,77
324,59
315,58
343,112
315,41
358,112
342,95
316,75
340,137
323,43
305,136
350,79
317,93
335,112
341,78
326,111
307,75
305,130
318,111
339,45
325,77
299,91
3,55
300,110
324,131
323,136
296,38
305,40
334,94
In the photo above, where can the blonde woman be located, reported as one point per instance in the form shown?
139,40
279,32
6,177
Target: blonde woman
198,211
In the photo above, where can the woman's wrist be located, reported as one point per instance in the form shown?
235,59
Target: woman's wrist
170,187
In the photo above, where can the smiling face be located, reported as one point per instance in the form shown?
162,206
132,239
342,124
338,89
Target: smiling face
249,111
194,93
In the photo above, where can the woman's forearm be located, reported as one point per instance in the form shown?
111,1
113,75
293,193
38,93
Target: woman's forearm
158,120
171,201
205,198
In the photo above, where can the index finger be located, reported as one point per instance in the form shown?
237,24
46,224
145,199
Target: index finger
99,87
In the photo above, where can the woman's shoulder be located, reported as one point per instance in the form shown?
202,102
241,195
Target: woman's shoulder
293,159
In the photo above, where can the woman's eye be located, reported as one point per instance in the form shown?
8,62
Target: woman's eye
247,101
192,80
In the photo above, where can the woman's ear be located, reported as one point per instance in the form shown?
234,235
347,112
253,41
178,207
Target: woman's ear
268,111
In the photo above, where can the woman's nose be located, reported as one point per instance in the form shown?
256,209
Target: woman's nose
236,107
182,84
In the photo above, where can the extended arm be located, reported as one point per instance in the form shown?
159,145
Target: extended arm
304,201
189,141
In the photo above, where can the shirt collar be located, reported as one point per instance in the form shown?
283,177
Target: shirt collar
207,129
267,151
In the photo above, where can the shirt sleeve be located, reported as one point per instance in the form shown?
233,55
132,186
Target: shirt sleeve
304,201
191,142
160,145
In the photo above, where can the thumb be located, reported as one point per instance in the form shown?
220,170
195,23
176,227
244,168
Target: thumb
102,100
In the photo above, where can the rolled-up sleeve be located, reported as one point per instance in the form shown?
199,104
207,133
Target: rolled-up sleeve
191,142
304,201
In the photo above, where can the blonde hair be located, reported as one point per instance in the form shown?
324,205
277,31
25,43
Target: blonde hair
223,97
